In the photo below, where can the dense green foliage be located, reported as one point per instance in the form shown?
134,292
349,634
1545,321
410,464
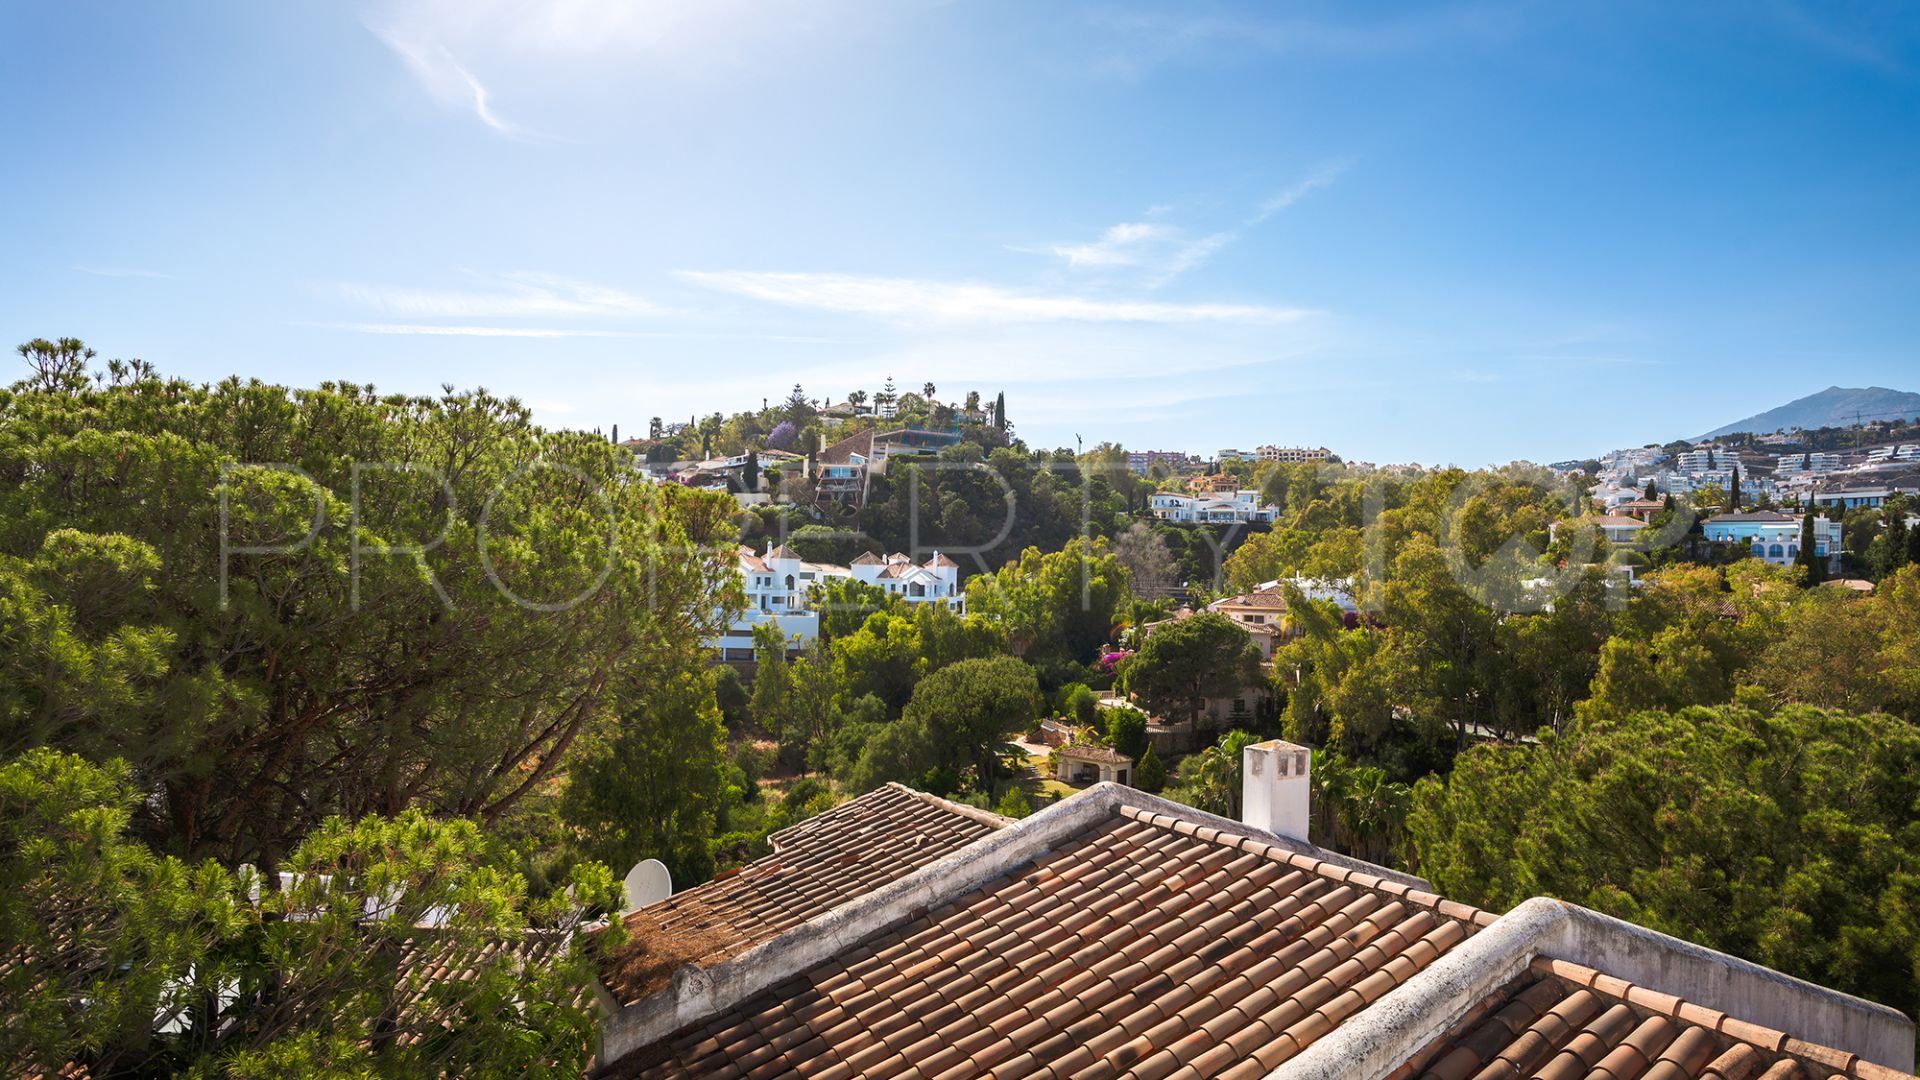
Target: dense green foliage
256,625
1184,663
1790,837
283,605
140,964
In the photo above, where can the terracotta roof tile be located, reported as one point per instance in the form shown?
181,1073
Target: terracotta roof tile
1562,1020
1102,755
822,862
1142,946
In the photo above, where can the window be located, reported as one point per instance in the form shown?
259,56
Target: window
1776,551
789,582
1793,551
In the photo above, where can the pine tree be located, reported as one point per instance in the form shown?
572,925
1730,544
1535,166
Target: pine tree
797,407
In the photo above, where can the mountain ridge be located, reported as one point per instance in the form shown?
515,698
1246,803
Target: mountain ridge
1836,406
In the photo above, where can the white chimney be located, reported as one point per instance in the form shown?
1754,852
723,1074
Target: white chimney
1275,779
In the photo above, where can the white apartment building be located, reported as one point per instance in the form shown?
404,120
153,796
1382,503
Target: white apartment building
1293,454
1699,461
779,583
1223,508
1817,463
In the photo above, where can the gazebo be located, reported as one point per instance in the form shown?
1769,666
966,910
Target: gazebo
1086,764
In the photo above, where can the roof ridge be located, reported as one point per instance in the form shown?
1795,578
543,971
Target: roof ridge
984,817
1846,1063
1400,890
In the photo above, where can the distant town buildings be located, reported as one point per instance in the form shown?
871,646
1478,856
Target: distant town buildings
1293,454
1178,461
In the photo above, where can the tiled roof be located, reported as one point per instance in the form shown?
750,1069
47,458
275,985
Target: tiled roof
1102,755
866,558
1274,599
781,551
1560,1019
1763,517
1617,521
1141,944
941,560
842,452
826,860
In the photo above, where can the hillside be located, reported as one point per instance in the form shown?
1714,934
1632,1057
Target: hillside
1836,406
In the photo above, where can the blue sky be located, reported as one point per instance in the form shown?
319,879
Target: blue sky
1446,233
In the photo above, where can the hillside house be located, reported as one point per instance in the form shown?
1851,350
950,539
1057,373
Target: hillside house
1774,537
779,588
1231,508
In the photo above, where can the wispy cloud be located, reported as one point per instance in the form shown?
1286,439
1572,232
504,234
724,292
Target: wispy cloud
514,296
438,330
1134,43
430,330
1324,176
912,298
1165,251
1162,251
449,81
1591,361
121,272
1124,244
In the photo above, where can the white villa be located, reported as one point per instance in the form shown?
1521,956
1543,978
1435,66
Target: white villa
1224,508
778,586
1774,537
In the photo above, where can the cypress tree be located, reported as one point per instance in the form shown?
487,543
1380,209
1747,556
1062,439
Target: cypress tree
1000,410
1653,490
1148,774
1809,557
1733,492
1895,543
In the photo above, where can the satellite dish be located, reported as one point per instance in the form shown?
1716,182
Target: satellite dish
647,883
